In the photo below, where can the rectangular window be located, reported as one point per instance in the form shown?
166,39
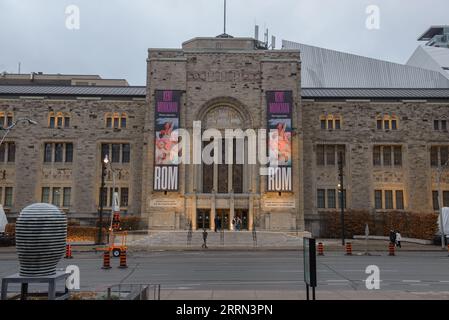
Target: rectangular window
67,122
321,202
45,195
323,124
66,197
126,152
397,156
330,124
59,119
320,155
434,156
379,124
394,125
387,124
388,199
399,200
435,203
108,122
378,199
2,121
387,156
116,123
2,152
376,156
344,199
59,151
444,153
8,197
48,148
331,201
444,125
123,122
11,152
8,121
115,153
445,198
337,124
330,155
104,150
436,125
69,152
124,196
52,122
341,152
56,197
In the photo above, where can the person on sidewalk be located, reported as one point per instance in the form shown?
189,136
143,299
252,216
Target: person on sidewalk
398,239
392,237
204,239
216,223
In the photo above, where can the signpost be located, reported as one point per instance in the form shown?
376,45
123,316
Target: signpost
310,266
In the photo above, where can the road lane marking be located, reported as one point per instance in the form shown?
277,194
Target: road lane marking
411,281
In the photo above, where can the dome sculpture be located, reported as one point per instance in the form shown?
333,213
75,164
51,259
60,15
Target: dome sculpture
41,234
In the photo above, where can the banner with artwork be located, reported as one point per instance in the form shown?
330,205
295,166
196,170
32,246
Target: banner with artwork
279,109
167,152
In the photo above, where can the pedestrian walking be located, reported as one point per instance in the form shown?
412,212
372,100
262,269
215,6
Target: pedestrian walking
238,223
204,239
216,219
392,237
398,239
233,223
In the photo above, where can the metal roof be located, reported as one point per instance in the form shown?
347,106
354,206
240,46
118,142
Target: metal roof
431,58
72,91
374,93
324,68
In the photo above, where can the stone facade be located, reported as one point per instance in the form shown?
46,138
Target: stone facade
224,84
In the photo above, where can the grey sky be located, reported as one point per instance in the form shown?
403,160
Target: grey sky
115,34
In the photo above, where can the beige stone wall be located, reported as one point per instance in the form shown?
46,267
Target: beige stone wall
87,131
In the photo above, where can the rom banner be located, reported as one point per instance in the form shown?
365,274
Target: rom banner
166,150
279,116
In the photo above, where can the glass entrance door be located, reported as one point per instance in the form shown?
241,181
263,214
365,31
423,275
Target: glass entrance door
203,219
223,215
243,215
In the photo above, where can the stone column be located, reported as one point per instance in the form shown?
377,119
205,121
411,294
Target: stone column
251,212
231,209
193,212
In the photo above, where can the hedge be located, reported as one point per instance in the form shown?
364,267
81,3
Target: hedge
126,223
75,233
410,224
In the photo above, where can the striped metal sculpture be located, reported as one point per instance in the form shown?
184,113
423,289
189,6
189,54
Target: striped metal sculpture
41,234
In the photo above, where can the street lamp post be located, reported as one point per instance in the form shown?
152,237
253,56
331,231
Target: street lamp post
440,202
8,129
102,193
342,206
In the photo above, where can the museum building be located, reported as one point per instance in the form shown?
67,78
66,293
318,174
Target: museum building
387,124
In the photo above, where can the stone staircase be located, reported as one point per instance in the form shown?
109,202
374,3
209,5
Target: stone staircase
227,239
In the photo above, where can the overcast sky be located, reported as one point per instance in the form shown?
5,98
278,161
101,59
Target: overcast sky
114,35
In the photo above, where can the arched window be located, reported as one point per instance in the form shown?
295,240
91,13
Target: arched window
330,122
116,120
6,119
58,120
387,122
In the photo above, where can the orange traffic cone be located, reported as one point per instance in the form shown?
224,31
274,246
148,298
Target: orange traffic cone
320,249
349,249
123,259
68,251
106,260
391,249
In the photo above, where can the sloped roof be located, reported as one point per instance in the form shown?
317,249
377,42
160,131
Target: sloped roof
432,58
374,93
325,68
72,91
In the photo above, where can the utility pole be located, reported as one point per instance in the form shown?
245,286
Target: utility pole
342,202
224,24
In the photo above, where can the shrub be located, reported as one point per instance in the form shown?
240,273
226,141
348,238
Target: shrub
130,223
75,233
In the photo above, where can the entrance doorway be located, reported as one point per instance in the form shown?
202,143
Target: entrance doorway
223,215
203,219
243,215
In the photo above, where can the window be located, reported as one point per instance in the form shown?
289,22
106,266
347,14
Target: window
444,153
8,197
440,125
434,156
58,152
116,120
445,198
399,200
58,120
387,122
58,196
436,205
387,156
329,154
378,199
116,152
321,202
124,196
330,122
344,199
108,196
388,199
8,152
331,203
6,119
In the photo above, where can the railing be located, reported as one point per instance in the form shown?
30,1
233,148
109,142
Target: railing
134,292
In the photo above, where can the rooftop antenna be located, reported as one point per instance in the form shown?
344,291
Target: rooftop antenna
224,17
256,32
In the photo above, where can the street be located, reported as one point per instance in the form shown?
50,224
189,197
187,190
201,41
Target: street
256,271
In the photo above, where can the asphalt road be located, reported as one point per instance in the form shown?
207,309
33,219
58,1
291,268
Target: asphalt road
256,270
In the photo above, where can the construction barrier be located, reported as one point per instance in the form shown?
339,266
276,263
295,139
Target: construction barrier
391,249
123,259
349,249
320,249
68,251
106,259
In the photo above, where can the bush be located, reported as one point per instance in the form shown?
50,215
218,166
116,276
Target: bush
75,233
130,223
410,224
